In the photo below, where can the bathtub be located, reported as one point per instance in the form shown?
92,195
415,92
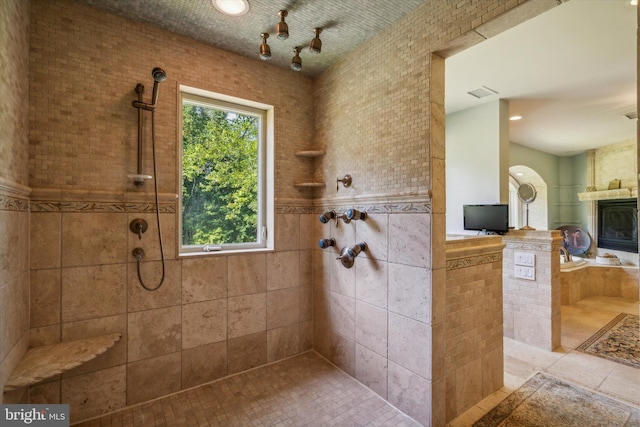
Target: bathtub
575,264
583,278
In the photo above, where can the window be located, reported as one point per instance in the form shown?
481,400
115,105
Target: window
226,171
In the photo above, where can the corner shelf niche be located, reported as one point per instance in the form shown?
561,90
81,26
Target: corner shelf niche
309,154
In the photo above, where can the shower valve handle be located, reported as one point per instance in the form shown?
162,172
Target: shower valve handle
138,226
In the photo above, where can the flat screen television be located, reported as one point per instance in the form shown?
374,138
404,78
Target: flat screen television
486,218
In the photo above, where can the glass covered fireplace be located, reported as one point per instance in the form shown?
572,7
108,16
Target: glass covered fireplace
618,225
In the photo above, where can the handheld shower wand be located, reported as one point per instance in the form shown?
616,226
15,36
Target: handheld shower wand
158,76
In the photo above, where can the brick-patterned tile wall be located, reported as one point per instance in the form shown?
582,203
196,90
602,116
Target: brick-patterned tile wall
14,203
14,91
474,351
384,140
84,66
532,307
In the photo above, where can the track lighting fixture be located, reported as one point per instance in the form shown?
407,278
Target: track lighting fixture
265,50
316,43
296,62
282,29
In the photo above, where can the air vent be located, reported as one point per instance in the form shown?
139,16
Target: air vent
482,92
631,116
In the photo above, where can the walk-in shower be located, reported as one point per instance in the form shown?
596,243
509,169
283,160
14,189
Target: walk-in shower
138,225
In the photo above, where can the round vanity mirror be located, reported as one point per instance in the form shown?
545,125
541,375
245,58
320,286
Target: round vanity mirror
527,194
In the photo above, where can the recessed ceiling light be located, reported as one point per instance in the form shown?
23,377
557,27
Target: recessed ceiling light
519,174
232,7
515,118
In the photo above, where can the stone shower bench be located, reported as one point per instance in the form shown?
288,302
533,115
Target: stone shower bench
41,363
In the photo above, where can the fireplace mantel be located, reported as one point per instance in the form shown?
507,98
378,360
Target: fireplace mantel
621,193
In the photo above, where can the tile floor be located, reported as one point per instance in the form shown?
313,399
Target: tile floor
308,391
304,390
579,322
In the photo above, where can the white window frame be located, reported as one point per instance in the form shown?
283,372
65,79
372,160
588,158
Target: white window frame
265,170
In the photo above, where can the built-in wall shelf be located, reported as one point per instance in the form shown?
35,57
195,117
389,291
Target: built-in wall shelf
40,363
310,153
309,184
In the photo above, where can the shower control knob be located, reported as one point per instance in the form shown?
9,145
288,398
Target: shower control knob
325,243
356,214
356,249
327,216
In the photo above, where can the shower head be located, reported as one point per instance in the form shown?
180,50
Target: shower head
159,75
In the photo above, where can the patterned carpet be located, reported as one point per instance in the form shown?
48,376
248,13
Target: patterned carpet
545,401
618,340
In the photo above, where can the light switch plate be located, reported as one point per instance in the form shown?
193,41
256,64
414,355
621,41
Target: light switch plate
522,272
525,258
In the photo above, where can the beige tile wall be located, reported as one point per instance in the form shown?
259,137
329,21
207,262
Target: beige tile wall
394,149
213,316
373,320
532,307
14,202
474,355
599,281
85,64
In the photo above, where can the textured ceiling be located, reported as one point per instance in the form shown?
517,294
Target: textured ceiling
346,24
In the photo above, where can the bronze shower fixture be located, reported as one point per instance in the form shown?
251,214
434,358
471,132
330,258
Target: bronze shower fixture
282,29
282,33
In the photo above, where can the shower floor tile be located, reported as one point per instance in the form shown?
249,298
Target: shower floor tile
304,390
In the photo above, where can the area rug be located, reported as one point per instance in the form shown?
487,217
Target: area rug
545,401
618,340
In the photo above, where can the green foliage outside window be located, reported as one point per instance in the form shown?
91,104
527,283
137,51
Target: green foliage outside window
219,176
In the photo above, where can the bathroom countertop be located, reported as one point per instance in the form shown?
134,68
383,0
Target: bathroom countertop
40,363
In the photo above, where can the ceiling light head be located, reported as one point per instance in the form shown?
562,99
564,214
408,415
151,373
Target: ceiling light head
231,7
265,50
282,29
296,62
316,43
514,118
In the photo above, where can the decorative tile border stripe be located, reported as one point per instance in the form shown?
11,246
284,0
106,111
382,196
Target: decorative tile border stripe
473,261
373,208
8,203
548,246
107,207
